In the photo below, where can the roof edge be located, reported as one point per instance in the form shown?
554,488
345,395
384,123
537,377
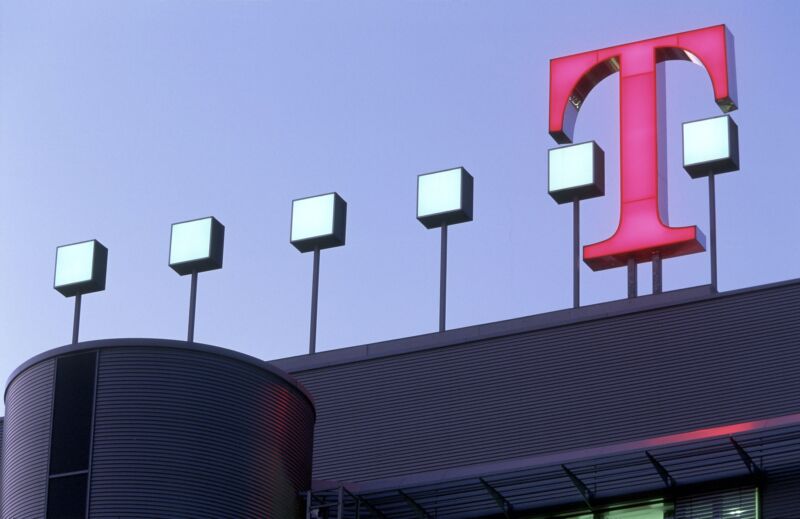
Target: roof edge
161,343
553,319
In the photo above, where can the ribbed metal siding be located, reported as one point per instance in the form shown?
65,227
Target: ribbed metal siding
719,361
26,442
2,427
781,497
189,434
740,503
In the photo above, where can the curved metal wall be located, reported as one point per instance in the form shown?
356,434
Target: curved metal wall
179,431
26,441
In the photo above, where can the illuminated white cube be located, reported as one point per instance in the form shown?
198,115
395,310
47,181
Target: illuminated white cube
710,146
81,268
444,197
318,222
196,245
576,172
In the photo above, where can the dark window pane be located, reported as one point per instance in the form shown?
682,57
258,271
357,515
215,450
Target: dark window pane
66,497
72,413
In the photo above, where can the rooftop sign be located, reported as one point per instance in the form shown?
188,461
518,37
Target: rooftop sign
641,233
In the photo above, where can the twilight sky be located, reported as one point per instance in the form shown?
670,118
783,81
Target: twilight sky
120,118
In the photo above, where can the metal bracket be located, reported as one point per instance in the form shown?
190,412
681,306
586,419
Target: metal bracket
421,513
752,466
502,502
586,494
669,481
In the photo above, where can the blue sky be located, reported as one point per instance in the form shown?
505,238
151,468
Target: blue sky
119,118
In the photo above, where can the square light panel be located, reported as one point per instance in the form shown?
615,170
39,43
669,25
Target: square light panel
81,268
444,197
196,245
318,221
576,172
710,146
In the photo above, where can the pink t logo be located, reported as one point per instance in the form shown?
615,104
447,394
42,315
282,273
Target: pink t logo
640,233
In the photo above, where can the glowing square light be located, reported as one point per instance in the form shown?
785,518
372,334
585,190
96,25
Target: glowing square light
318,222
710,146
576,172
444,197
196,245
80,268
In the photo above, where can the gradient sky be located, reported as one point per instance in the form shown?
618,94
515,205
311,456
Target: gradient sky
120,118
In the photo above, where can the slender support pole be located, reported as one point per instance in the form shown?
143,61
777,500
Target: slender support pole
76,319
312,338
340,508
633,289
657,274
443,280
576,253
712,225
192,306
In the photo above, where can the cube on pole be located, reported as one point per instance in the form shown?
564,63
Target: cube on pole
574,173
80,269
317,222
444,198
711,147
196,246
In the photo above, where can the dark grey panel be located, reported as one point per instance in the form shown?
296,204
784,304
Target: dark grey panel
619,374
26,441
187,433
781,497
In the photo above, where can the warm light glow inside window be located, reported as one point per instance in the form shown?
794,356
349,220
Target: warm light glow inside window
706,140
190,241
312,217
74,263
439,192
571,166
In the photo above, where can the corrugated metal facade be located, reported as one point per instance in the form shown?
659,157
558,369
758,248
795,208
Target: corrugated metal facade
29,400
182,434
617,374
781,497
178,430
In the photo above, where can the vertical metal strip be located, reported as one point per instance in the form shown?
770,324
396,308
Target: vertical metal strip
50,434
657,274
312,334
576,253
633,288
192,307
443,280
91,432
76,318
712,224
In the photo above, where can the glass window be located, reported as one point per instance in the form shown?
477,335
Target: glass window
650,511
738,503
72,413
66,497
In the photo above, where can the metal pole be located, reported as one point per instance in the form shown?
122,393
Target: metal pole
576,247
192,306
657,274
76,319
633,290
712,224
312,338
340,511
308,504
443,280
